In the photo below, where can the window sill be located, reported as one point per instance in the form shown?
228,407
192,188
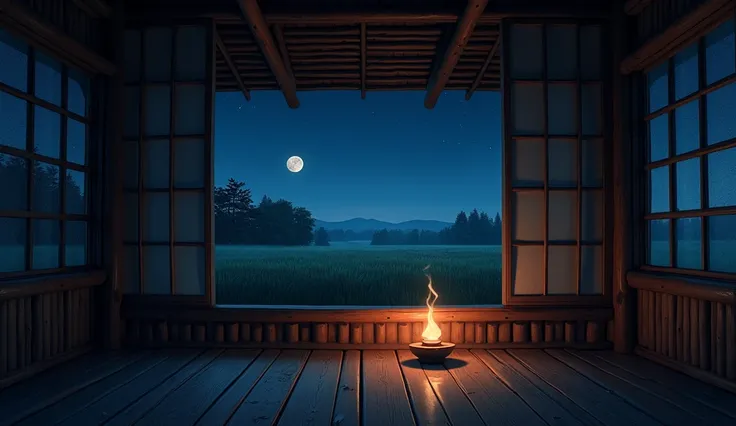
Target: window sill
25,287
355,314
679,285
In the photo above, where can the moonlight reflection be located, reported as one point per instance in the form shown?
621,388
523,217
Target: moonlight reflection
295,164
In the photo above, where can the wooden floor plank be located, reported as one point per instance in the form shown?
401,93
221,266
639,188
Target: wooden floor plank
347,401
77,401
148,401
606,407
458,407
427,406
702,411
27,397
187,403
230,400
265,401
716,398
545,407
551,392
385,401
495,403
656,407
113,403
313,399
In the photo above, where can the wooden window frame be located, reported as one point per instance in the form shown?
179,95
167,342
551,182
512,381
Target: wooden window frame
90,168
141,298
672,159
604,299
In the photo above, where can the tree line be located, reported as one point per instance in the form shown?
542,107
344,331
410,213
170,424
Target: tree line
45,197
239,221
477,228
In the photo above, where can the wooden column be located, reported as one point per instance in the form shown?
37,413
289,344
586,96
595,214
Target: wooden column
114,127
624,302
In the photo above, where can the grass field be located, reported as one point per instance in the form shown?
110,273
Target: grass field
357,274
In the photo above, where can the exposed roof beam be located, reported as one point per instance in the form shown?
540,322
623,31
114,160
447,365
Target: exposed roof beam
363,55
483,69
228,11
448,60
258,26
231,65
278,33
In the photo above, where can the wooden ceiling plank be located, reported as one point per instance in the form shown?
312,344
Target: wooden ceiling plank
463,30
363,57
483,69
230,64
253,15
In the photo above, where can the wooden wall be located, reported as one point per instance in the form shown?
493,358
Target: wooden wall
46,322
69,17
494,327
687,326
654,16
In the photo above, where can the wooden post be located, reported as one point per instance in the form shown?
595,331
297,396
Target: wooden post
624,302
114,117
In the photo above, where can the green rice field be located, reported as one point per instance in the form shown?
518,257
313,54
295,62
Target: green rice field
357,274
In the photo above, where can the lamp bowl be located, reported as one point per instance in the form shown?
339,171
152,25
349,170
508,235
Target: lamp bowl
431,354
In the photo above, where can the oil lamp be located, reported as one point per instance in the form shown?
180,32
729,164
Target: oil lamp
431,350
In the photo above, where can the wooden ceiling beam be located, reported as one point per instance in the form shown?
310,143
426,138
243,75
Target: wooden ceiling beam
447,61
259,28
278,33
483,69
231,65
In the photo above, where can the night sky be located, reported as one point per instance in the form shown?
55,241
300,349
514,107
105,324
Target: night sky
385,157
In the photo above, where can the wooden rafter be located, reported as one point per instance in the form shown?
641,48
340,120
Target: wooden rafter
278,33
363,53
483,69
231,65
449,58
259,28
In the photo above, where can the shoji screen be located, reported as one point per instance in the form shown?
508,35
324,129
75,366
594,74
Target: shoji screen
168,162
555,140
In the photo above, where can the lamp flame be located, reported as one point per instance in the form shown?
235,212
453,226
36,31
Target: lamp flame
432,332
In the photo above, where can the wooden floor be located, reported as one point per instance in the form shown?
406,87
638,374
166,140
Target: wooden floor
382,388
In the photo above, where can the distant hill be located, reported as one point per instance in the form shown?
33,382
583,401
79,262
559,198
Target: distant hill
360,224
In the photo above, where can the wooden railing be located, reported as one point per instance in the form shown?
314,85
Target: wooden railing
45,321
687,324
357,327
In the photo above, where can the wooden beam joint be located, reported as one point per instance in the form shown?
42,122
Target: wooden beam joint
449,58
259,28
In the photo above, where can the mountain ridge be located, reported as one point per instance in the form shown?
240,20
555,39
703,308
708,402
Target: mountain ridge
360,224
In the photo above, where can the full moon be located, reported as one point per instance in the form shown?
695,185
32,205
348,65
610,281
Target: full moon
295,164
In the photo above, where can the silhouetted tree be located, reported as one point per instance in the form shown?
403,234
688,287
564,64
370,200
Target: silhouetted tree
238,221
321,238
